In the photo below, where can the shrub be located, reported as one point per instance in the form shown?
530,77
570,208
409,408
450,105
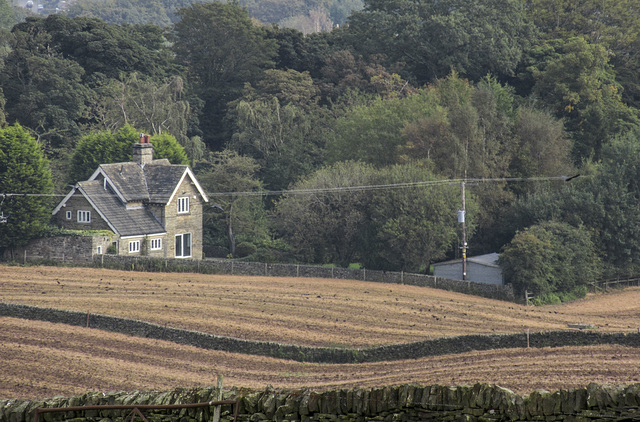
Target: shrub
547,299
245,249
550,257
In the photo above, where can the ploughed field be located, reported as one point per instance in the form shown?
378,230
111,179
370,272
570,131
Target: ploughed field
39,359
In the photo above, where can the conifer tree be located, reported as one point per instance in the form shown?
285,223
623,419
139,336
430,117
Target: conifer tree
23,170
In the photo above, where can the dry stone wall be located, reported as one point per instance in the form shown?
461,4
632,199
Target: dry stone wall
435,347
67,249
142,263
478,403
81,250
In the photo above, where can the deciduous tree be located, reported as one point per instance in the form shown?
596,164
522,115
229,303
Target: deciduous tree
106,147
145,103
326,222
230,180
279,124
433,37
413,226
550,257
579,84
222,49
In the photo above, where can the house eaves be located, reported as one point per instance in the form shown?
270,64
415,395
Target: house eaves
99,172
193,179
95,207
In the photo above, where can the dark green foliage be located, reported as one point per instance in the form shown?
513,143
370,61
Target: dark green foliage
7,15
433,37
245,249
3,118
400,229
327,224
412,227
44,90
604,201
304,53
105,147
550,257
223,50
99,49
613,24
278,123
55,65
125,11
578,83
165,12
23,170
235,216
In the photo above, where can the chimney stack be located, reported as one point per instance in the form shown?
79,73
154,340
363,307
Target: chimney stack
143,151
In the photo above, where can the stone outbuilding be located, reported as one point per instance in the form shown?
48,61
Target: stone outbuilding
153,207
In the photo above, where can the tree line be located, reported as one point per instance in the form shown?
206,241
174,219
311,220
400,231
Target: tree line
332,147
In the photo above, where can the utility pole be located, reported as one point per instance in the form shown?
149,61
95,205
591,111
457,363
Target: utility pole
461,219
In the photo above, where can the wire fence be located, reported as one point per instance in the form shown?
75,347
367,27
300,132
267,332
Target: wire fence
231,267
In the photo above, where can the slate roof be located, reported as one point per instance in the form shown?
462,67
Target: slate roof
162,180
154,182
489,260
125,222
129,188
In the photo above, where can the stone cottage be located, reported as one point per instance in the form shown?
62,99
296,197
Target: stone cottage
154,207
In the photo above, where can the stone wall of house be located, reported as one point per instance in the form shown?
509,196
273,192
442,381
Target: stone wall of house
73,205
477,403
68,249
415,350
190,222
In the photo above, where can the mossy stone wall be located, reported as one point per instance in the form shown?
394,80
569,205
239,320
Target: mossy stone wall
478,403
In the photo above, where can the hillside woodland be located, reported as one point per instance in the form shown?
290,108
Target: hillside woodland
346,141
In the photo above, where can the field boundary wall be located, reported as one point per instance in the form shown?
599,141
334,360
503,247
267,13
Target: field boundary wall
411,402
77,250
415,350
231,267
65,249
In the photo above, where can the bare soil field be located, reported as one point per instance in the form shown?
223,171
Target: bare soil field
39,359
303,311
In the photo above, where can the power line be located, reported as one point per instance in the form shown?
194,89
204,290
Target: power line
388,186
356,188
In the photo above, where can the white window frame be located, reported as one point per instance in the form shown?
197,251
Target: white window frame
84,216
180,245
183,205
69,215
134,246
155,244
99,251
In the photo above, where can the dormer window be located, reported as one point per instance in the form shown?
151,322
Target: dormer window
183,205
